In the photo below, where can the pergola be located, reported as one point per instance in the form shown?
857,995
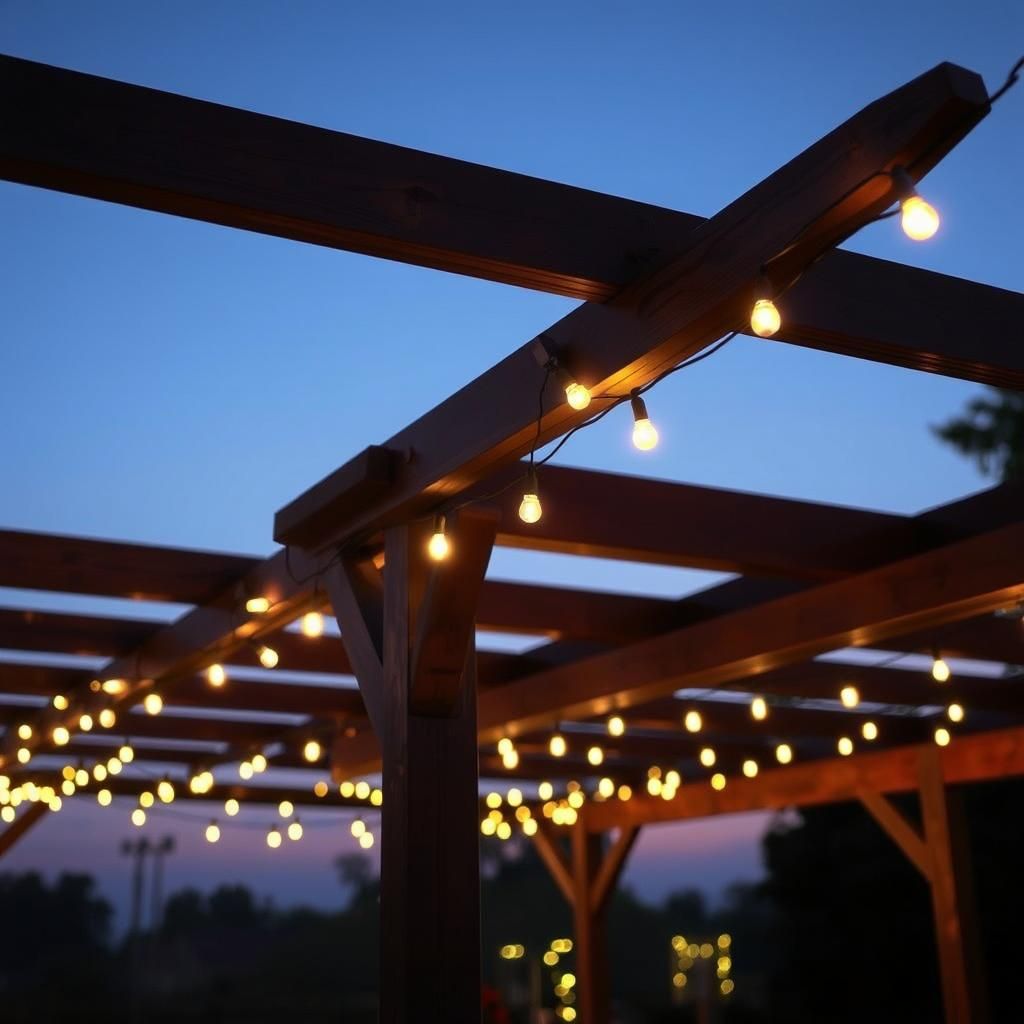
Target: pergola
432,713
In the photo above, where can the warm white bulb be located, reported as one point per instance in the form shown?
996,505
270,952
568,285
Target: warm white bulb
216,676
25,731
869,731
595,755
577,396
259,763
645,436
312,751
138,817
438,547
764,318
707,757
107,718
942,737
273,839
759,708
919,220
558,746
845,746
750,768
366,840
616,726
692,721
85,723
231,807
955,712
268,656
312,624
940,670
153,703
212,832
783,753
850,696
257,605
529,508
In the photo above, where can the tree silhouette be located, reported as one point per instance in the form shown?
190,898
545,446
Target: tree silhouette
991,431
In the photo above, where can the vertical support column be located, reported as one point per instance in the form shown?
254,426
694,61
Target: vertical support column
590,930
412,645
952,892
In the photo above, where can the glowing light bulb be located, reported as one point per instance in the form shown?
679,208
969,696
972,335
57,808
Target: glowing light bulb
845,746
940,670
955,712
514,797
312,625
104,797
153,703
545,791
530,827
107,718
245,771
212,832
99,772
577,396
216,676
295,831
759,708
85,723
707,757
616,726
274,838
529,508
438,547
126,753
942,737
919,219
645,436
849,696
312,751
165,791
595,755
692,721
138,817
25,731
81,778
750,768
764,318
366,840
114,765
606,787
267,655
231,807
505,744
510,760
557,745
784,753
114,686
357,828
24,755
869,731
257,605
60,702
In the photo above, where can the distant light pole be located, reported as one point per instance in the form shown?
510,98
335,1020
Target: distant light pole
138,849
160,850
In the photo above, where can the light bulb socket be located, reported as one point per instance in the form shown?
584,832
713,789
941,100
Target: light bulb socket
440,524
902,183
531,482
639,407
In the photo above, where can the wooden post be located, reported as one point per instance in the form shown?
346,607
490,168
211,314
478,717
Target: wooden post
952,889
415,657
587,881
21,825
939,850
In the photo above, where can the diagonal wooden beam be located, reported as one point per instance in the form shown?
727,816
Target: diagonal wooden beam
899,830
950,583
548,846
21,825
789,219
122,143
612,863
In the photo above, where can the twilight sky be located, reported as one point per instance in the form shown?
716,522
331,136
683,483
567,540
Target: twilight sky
173,382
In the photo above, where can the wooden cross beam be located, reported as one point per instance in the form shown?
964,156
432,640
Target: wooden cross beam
122,143
789,219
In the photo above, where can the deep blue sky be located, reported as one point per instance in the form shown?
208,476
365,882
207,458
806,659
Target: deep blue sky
169,381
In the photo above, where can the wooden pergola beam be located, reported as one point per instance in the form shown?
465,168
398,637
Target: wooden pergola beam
989,755
21,824
158,151
790,219
957,581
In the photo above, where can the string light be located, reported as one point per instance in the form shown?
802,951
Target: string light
942,736
955,713
940,669
849,696
114,687
595,756
215,675
295,830
107,718
545,791
869,731
114,765
764,316
213,832
25,731
845,746
759,708
718,781
274,838
165,791
557,746
625,792
645,436
366,840
529,508
60,702
357,828
616,726
919,219
231,807
438,547
104,797
286,808
138,817
99,772
312,751
245,771
146,799
85,723
784,753
24,755
259,763
267,655
577,395
257,605
312,625
692,721
750,768
153,703
707,757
